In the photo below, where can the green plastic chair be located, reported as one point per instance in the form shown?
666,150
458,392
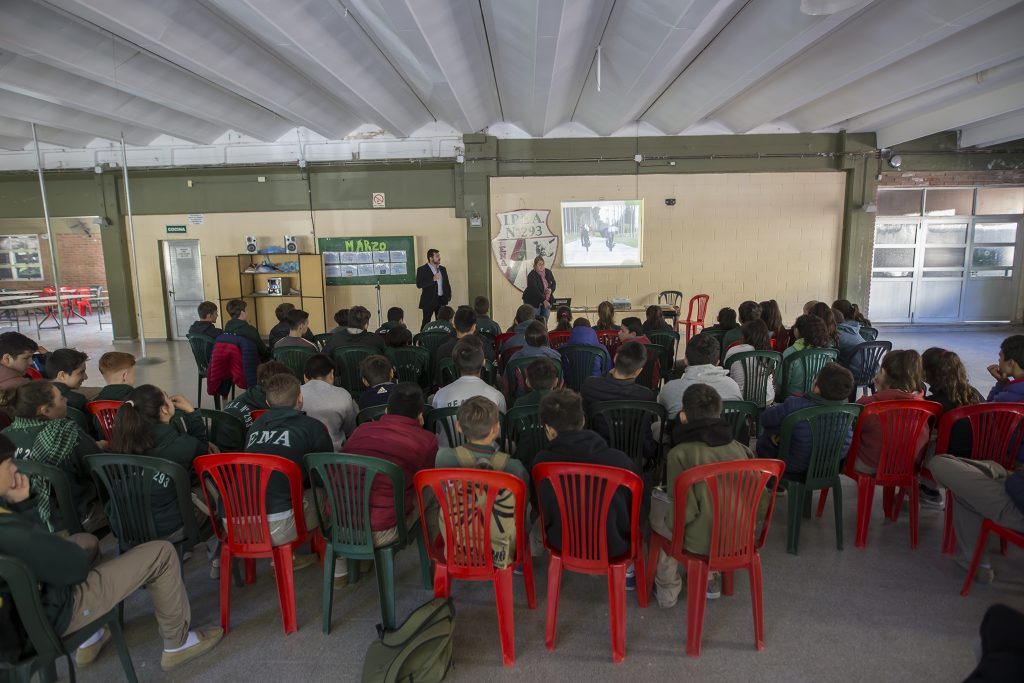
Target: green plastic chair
758,367
515,376
442,421
225,430
295,358
202,349
129,481
829,426
46,644
346,363
740,415
628,424
411,364
446,372
810,361
41,474
341,486
868,333
578,362
371,414
668,340
431,341
321,340
653,372
526,433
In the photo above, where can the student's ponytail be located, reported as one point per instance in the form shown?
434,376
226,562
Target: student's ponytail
134,420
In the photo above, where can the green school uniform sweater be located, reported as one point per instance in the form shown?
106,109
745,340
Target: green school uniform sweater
170,444
242,405
244,329
74,399
290,434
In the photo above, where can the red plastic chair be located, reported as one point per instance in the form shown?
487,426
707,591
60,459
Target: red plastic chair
610,340
1005,535
241,481
736,488
996,433
255,414
695,319
34,374
501,339
82,302
104,412
557,339
585,539
464,552
898,466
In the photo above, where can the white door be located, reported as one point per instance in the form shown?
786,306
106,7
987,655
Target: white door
183,283
993,276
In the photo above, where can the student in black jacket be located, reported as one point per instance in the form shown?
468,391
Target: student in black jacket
66,369
284,326
75,590
207,320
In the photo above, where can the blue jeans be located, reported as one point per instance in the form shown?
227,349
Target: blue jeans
543,312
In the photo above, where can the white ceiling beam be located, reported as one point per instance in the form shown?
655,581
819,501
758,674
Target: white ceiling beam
14,144
1008,98
973,50
51,37
876,38
50,84
61,138
199,40
994,131
735,60
325,42
18,106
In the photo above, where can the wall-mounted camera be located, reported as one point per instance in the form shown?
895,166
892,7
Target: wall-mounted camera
671,201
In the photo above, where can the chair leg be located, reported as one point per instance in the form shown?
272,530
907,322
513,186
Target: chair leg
236,572
506,622
225,588
122,650
654,545
696,600
442,582
915,508
756,600
617,610
822,497
554,589
948,531
425,564
283,574
639,566
384,564
199,394
979,550
728,583
888,496
798,500
865,496
837,504
328,595
1002,546
250,571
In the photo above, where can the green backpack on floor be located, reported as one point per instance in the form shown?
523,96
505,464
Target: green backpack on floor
420,650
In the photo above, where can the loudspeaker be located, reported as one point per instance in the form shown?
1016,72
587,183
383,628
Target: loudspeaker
289,244
250,244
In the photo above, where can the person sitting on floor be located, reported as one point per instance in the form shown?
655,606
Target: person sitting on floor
285,327
478,421
74,589
701,360
524,316
238,310
396,318
16,352
356,334
484,325
321,400
703,438
465,326
65,368
445,315
206,325
255,398
298,331
832,387
749,310
541,377
899,379
379,379
118,370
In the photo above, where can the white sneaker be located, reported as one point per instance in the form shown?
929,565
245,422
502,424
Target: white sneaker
714,585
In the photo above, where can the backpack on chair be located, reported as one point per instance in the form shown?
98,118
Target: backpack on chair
418,651
503,532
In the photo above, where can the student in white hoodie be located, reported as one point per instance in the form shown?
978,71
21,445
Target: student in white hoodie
321,400
702,355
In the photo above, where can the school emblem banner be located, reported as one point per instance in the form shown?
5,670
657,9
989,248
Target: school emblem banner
522,236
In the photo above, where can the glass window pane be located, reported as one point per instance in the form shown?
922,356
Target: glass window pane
943,257
942,273
891,274
996,200
899,202
988,233
991,257
895,233
948,202
894,258
1008,272
946,233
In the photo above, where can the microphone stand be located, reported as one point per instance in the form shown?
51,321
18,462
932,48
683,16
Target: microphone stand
380,316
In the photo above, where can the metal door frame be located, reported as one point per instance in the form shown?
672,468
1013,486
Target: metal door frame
165,247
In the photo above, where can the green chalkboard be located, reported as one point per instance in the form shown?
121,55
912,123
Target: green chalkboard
367,260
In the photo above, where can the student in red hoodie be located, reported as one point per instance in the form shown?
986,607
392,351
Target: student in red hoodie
899,379
398,437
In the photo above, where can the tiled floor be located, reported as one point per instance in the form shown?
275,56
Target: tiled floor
882,613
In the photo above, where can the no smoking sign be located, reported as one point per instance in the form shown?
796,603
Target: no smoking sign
377,200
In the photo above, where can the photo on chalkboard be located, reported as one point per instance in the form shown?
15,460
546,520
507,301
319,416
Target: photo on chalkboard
382,268
381,257
349,271
333,271
348,257
366,269
399,269
364,257
332,257
397,256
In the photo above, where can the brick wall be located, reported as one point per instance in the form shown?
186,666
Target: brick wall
951,178
81,259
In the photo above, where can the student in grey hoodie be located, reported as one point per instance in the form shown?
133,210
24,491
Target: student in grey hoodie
702,356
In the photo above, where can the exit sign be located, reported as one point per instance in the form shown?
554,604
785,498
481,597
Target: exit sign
177,228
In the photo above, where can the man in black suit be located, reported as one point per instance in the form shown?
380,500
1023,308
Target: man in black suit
432,279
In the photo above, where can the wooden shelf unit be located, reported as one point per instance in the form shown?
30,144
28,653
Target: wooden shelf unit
234,283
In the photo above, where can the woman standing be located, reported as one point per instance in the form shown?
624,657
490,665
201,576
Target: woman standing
540,286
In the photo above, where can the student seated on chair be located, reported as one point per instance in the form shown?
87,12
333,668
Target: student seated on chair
1009,371
606,317
536,338
340,320
75,589
702,354
396,318
726,320
207,323
41,432
398,337
703,438
239,312
333,406
748,310
754,336
283,329
16,352
118,370
632,329
832,387
477,419
66,369
848,329
298,331
561,412
583,334
541,377
899,379
399,438
355,333
465,326
285,430
620,385
444,323
655,321
143,426
469,361
378,378
524,316
485,326
255,398
810,334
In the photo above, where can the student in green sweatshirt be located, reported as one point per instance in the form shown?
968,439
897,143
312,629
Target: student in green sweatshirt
118,370
239,325
66,369
254,398
74,589
541,377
